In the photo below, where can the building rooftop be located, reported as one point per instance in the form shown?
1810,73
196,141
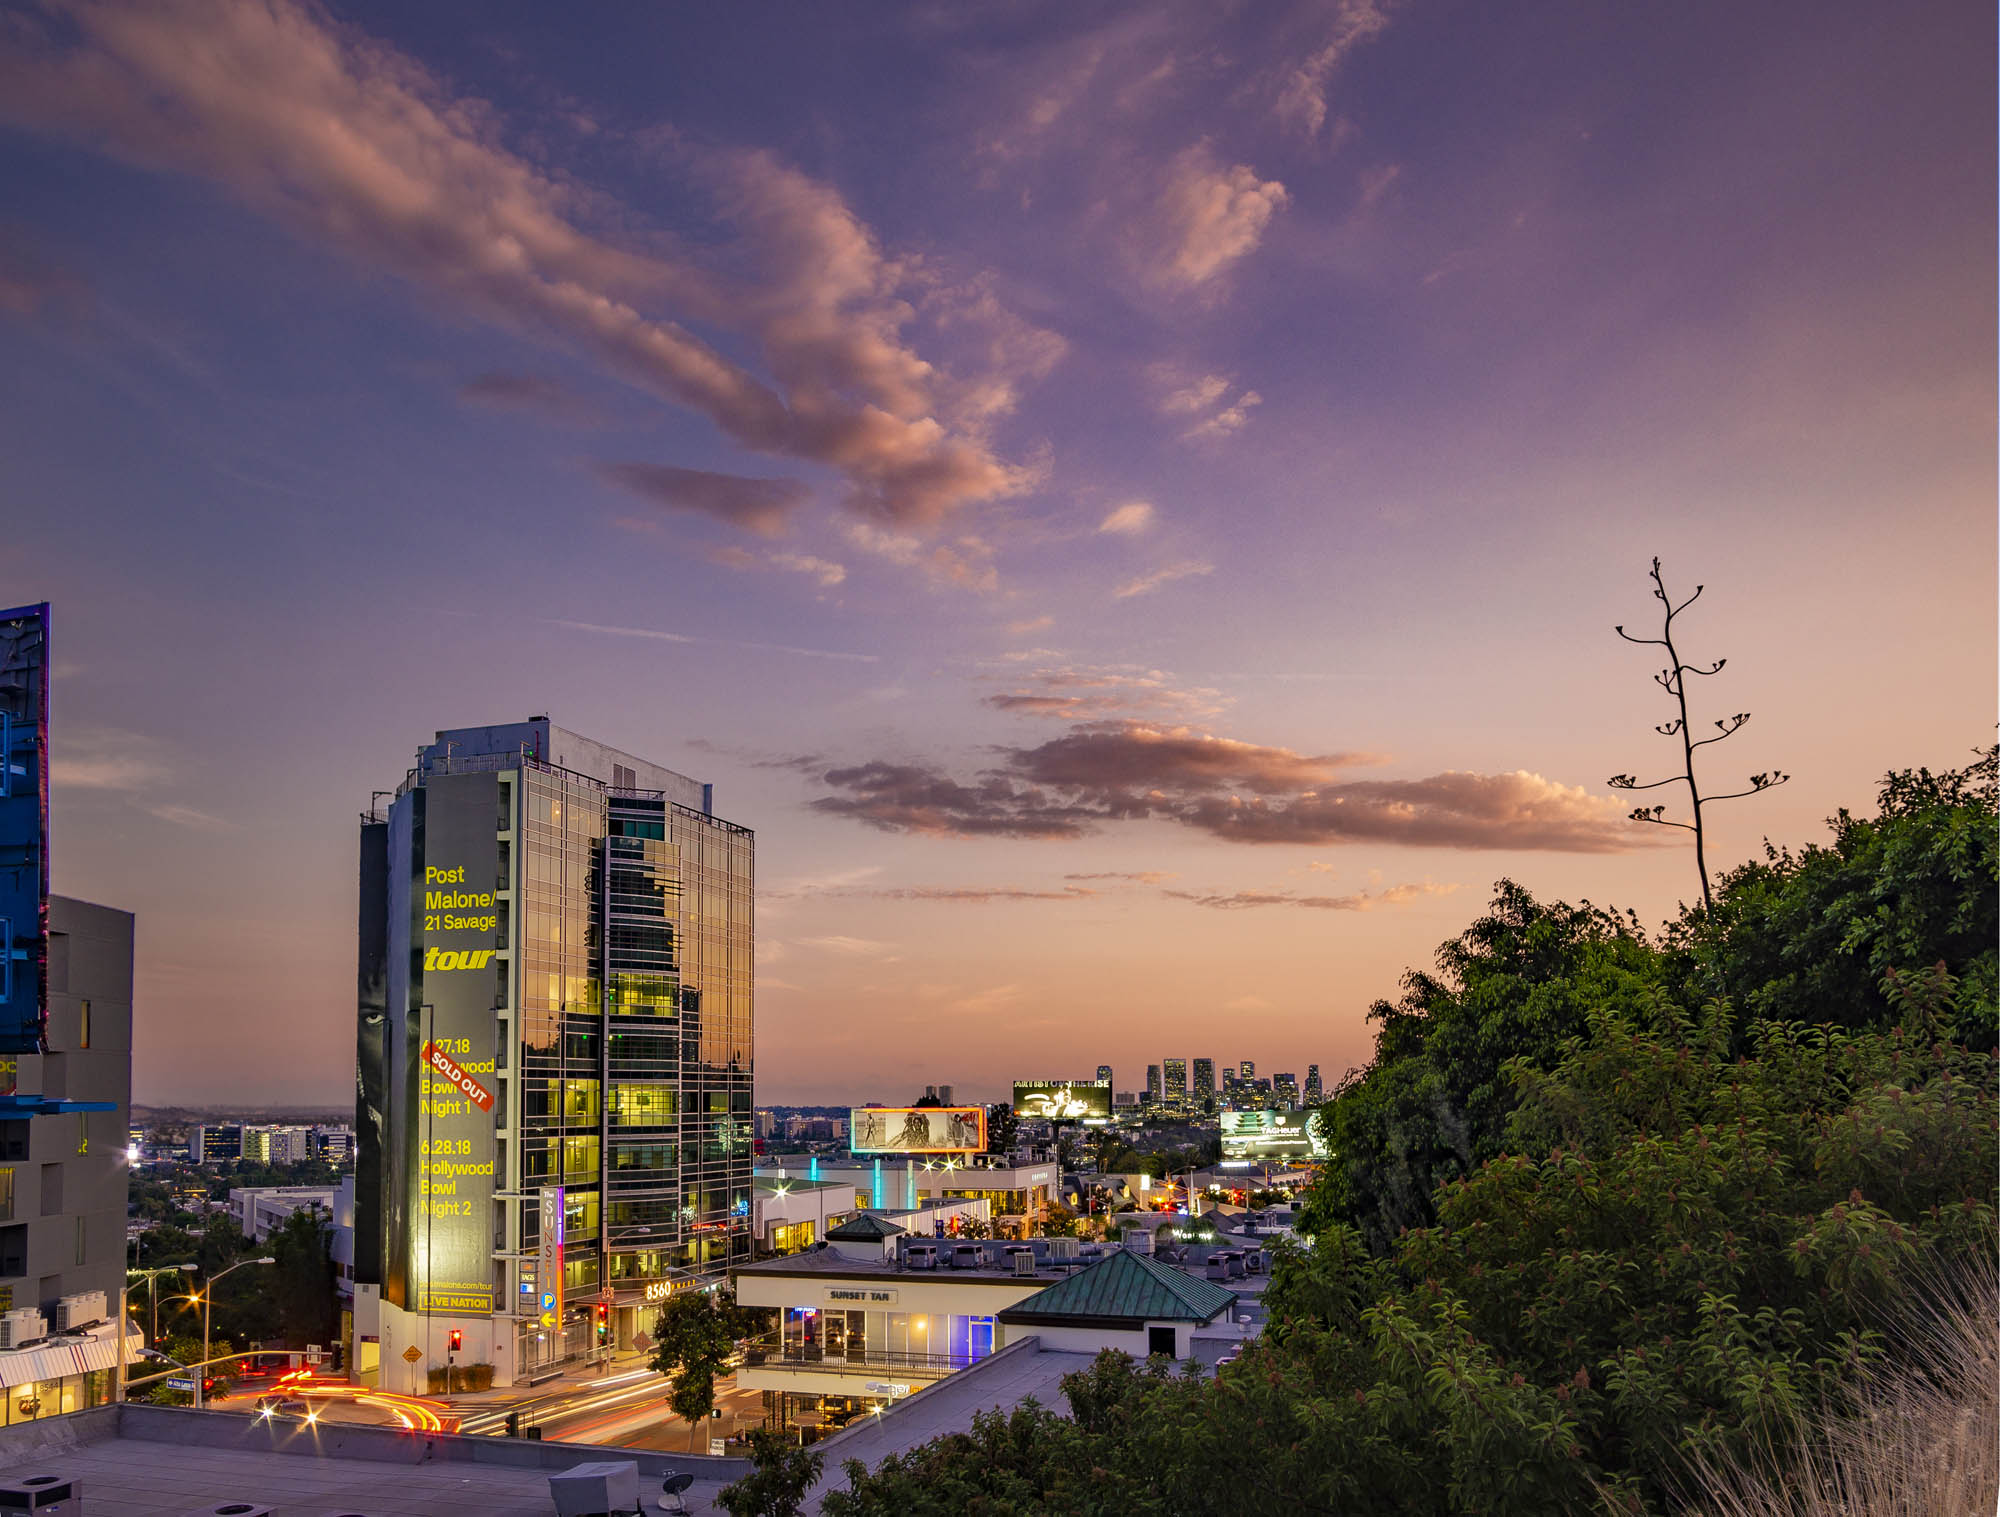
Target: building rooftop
1128,1288
864,1228
171,1460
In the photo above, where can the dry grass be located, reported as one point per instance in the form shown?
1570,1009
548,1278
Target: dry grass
1922,1438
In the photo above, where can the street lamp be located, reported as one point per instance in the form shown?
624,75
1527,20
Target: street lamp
152,1279
206,1296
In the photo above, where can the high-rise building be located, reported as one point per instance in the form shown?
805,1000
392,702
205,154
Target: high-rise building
1248,1070
1104,1074
1152,1085
1285,1089
1315,1092
1204,1080
556,1108
1174,1090
65,1077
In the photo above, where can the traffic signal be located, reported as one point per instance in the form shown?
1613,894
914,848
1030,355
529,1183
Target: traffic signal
457,1340
603,1321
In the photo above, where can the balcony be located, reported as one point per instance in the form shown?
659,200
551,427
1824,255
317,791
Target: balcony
770,1354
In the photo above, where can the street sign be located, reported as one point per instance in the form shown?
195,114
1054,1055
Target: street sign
641,1341
180,1383
715,1447
412,1354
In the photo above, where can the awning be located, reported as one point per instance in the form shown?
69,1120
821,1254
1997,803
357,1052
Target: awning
71,1354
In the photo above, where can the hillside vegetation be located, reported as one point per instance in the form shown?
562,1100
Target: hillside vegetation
1611,1212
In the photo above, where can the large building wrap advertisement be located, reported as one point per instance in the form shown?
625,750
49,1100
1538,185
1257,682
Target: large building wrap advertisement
454,936
916,1129
24,833
1272,1135
1063,1100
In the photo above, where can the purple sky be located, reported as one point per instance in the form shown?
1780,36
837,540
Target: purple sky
1129,503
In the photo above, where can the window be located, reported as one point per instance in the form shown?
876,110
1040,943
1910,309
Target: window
1160,1340
6,1195
79,1240
83,1034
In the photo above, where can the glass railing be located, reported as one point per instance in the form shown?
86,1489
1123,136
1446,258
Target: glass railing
851,1359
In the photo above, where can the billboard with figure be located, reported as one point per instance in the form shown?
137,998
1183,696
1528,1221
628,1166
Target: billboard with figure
1272,1135
1063,1100
24,828
917,1129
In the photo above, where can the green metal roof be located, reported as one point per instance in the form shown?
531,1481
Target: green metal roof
1126,1287
863,1228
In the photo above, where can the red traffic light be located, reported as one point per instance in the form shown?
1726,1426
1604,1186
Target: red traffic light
457,1340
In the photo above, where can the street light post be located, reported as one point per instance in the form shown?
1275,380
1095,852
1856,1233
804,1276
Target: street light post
152,1277
207,1294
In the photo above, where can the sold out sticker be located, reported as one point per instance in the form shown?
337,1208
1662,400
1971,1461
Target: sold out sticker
441,1062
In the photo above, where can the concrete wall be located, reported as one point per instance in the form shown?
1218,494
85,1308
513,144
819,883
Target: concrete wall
75,1170
232,1430
1084,1340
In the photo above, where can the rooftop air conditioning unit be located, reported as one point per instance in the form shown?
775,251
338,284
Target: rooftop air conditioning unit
1063,1248
1024,1262
80,1311
24,1324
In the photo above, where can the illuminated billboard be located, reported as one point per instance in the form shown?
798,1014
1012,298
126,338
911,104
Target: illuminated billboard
24,828
454,983
1063,1100
917,1129
1272,1135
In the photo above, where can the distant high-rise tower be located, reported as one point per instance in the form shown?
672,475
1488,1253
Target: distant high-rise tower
1285,1089
1204,1080
1104,1074
1315,1093
1174,1072
1152,1085
1248,1069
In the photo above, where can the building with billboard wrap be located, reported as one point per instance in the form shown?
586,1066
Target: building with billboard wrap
554,1115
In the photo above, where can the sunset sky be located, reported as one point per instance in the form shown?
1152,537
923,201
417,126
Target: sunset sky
1129,503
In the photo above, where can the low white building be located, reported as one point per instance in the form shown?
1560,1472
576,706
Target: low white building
262,1209
1128,1300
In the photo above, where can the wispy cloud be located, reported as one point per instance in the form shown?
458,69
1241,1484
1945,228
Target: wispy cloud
1098,776
363,152
1366,900
1130,519
1129,877
965,563
1301,92
824,571
762,506
1145,584
1092,693
655,634
1210,217
1230,419
852,948
498,390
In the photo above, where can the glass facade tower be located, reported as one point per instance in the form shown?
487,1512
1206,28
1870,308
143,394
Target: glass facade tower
1204,1080
1174,1075
555,1051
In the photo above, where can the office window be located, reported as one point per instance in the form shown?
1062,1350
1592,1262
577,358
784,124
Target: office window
83,1027
6,1195
79,1240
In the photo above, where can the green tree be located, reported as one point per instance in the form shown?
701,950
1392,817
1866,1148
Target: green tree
694,1336
1434,1103
1003,1128
302,1281
1809,935
781,1474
